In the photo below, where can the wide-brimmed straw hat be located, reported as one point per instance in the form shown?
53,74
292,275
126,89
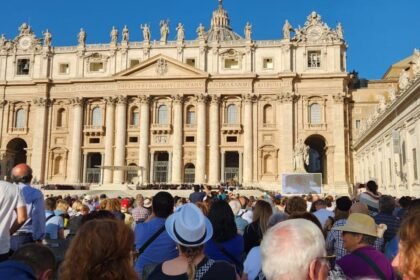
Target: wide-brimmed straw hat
363,224
188,226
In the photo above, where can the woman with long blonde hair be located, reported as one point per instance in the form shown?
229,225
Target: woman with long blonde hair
254,232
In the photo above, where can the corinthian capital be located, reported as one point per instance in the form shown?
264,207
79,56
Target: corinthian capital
40,101
77,101
215,99
110,100
178,99
121,100
201,98
287,97
339,97
144,99
248,98
2,103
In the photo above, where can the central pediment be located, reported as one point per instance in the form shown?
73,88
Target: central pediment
162,67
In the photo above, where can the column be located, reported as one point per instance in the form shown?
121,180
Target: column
339,144
214,152
177,140
286,118
144,138
109,139
200,168
120,133
76,152
222,164
248,140
39,138
152,160
85,156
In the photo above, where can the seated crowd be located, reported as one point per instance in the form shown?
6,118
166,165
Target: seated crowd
224,235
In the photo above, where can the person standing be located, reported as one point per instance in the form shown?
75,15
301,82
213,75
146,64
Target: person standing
11,200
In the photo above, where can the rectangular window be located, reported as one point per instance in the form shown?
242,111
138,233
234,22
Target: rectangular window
415,174
314,59
190,62
134,62
357,123
64,68
231,63
189,139
22,67
94,140
133,139
268,63
231,139
96,67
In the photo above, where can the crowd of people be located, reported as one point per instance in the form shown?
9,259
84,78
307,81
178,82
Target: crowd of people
212,234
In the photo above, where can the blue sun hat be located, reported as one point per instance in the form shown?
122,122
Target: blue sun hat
188,226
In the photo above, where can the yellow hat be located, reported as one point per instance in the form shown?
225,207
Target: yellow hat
363,224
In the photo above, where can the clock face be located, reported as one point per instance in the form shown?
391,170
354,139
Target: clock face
314,33
25,43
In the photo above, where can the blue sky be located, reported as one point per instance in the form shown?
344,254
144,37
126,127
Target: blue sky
378,32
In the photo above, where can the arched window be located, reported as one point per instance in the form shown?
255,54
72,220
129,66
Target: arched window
162,116
135,116
61,117
231,114
96,116
58,165
189,173
268,114
190,115
20,118
315,113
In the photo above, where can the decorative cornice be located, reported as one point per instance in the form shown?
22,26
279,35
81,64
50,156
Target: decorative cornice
41,102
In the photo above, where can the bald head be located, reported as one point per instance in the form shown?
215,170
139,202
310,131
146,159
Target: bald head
359,207
22,173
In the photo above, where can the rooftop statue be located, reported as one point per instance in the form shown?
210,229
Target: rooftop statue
416,61
340,32
180,32
164,31
125,34
82,37
146,32
403,80
248,31
114,35
25,29
47,38
201,31
286,30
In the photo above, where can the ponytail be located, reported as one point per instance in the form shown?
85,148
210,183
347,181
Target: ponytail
191,253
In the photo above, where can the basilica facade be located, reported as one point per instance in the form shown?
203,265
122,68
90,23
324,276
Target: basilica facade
215,108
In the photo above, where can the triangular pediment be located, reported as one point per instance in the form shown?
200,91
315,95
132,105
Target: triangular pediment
162,67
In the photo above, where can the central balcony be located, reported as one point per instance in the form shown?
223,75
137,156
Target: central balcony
94,130
159,128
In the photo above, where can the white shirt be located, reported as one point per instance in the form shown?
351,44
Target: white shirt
10,198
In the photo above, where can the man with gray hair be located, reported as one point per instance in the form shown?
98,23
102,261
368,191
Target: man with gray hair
386,208
294,249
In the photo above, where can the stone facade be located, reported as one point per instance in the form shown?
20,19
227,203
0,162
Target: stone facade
387,138
207,110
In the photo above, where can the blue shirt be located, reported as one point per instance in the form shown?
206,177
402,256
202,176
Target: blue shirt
16,270
53,225
163,248
234,246
36,211
392,223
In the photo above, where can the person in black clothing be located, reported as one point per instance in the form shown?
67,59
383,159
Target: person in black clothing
190,229
253,232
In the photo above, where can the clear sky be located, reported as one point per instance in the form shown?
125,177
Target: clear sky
378,32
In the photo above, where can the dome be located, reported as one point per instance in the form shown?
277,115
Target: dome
220,29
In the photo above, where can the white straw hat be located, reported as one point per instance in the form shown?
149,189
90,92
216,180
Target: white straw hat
188,226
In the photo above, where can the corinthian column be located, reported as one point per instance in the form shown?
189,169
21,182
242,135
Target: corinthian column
177,140
76,152
214,154
144,138
39,140
248,139
120,132
200,168
109,138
